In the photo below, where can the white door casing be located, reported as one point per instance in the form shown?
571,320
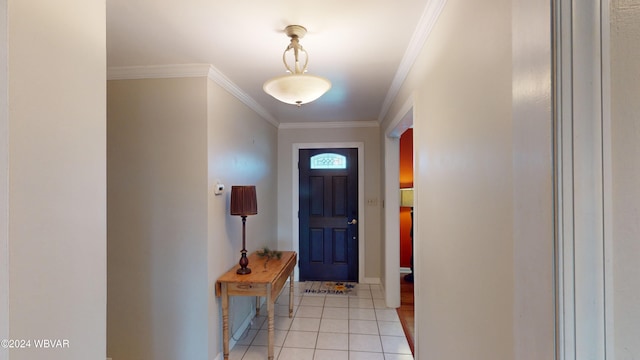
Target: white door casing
583,180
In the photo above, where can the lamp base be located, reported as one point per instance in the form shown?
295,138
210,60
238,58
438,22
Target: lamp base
244,262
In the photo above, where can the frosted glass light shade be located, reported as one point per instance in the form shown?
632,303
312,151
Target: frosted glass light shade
297,89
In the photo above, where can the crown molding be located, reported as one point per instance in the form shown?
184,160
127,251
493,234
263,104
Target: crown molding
423,30
190,70
329,125
220,79
402,121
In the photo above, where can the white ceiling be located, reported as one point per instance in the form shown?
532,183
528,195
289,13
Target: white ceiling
358,45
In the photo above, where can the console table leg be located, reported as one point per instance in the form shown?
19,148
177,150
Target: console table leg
291,290
225,321
271,325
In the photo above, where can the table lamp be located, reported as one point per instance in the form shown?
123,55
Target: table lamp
243,203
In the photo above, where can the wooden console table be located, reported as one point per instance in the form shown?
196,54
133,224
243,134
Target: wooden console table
264,280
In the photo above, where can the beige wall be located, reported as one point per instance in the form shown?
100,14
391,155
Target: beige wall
464,211
480,138
170,237
57,180
241,151
625,90
370,136
533,216
4,185
157,219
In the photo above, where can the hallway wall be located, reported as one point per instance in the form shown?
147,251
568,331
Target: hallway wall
625,91
4,183
157,219
483,180
533,198
55,170
169,141
464,206
242,150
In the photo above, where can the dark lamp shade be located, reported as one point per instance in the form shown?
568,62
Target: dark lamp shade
243,200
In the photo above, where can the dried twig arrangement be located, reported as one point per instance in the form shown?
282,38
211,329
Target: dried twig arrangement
269,254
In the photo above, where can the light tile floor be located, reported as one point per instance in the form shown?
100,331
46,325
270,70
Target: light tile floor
331,327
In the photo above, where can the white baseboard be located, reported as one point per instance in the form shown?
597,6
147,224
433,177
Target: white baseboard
242,328
405,270
372,281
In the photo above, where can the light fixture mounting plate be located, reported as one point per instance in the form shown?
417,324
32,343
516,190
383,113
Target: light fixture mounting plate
295,30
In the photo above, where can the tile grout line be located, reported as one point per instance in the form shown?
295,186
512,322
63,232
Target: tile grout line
351,300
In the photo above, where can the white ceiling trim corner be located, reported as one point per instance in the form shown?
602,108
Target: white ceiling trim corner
423,30
189,70
402,120
329,125
220,79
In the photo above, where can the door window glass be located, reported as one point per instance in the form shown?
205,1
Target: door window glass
328,161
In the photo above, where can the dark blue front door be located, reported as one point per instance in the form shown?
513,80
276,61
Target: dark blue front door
328,214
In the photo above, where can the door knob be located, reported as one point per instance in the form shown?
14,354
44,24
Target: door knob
353,222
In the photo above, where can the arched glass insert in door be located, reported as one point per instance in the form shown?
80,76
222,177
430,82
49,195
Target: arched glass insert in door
328,161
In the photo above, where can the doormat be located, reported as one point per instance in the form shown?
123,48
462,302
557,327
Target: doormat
330,288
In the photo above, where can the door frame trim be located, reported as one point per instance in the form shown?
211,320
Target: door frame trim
295,200
402,121
583,181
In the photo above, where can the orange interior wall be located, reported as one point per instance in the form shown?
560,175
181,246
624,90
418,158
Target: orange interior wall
406,181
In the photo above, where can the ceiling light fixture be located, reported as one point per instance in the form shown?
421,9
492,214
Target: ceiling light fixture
296,88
